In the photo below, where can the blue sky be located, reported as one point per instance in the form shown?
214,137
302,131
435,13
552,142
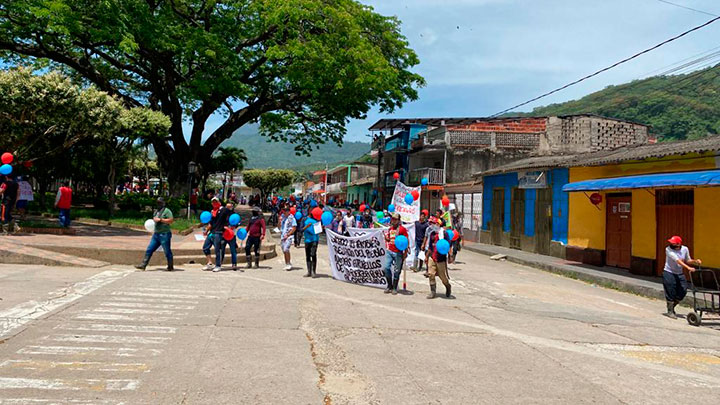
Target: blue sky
480,57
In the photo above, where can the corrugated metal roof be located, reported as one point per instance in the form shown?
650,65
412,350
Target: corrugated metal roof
627,153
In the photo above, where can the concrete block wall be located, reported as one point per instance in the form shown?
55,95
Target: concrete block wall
578,134
608,134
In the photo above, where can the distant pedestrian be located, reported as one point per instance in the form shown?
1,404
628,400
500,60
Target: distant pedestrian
421,227
216,205
194,201
256,234
312,238
677,259
9,191
219,223
394,257
437,263
162,236
63,202
337,224
367,219
232,242
25,195
288,226
348,222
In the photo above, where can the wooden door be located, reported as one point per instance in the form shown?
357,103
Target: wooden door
618,231
543,220
517,218
498,216
675,214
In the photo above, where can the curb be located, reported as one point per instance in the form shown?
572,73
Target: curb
588,276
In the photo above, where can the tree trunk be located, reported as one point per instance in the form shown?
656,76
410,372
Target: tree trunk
111,197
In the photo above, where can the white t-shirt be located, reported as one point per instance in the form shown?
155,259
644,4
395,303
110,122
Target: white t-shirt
288,223
25,192
672,256
349,222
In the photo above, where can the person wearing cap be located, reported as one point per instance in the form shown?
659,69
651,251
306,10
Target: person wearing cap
421,227
394,258
162,236
256,234
437,263
216,205
677,259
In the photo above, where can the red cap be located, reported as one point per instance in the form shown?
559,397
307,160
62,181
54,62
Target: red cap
675,240
425,212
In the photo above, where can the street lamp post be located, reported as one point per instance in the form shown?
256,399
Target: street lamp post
192,167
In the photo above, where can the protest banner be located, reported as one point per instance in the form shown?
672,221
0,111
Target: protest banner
408,212
410,261
359,259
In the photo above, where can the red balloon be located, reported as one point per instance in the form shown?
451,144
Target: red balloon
28,164
396,176
362,208
228,234
293,210
415,195
317,213
456,235
7,158
445,201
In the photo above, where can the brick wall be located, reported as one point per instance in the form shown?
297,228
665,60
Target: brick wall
515,125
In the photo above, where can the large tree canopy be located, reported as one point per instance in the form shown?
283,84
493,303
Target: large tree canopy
301,67
269,180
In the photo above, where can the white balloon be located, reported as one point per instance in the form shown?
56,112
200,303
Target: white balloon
150,225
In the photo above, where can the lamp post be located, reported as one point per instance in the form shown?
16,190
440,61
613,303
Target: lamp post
192,168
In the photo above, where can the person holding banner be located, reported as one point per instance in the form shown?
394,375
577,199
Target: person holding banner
367,220
348,222
437,262
394,258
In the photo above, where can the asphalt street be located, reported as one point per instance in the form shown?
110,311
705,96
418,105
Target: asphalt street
510,335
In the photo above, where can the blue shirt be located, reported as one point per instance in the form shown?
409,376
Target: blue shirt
310,235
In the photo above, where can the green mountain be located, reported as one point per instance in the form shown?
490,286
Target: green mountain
263,154
685,106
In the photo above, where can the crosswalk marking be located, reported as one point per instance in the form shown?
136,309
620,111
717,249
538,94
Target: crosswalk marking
136,311
73,385
144,305
116,317
144,299
172,290
43,365
159,295
100,327
148,340
88,350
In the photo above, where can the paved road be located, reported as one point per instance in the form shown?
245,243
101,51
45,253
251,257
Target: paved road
512,335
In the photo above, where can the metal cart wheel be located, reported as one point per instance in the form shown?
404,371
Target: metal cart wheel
694,319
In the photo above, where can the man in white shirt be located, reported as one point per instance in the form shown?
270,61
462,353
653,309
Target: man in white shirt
677,259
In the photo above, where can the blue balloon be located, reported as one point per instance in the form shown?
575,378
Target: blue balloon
205,217
391,208
443,247
424,181
280,198
234,219
409,199
313,203
327,218
358,218
386,220
5,169
298,215
449,235
241,233
401,242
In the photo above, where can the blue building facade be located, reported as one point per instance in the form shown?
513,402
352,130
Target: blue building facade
397,153
522,211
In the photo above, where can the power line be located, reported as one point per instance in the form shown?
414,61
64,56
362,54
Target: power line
687,8
609,67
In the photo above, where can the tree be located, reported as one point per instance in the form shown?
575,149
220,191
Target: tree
302,68
60,129
269,180
226,160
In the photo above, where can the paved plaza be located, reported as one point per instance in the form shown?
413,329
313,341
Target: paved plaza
512,334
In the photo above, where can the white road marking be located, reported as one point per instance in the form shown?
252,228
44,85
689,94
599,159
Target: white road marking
158,295
14,318
72,385
115,317
87,350
144,305
142,299
99,327
135,311
142,340
43,365
527,339
172,290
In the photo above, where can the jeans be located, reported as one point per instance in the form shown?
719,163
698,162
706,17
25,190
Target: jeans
208,244
217,241
393,265
64,217
311,256
233,250
160,239
675,286
252,245
6,214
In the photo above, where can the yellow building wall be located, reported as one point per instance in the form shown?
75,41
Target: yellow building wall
706,237
586,223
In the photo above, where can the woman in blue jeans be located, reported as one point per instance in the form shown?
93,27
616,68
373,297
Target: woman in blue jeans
163,218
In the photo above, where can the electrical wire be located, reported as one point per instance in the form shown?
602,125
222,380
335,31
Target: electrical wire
687,8
609,67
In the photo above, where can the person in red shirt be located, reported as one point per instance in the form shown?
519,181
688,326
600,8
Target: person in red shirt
256,234
437,263
394,258
63,201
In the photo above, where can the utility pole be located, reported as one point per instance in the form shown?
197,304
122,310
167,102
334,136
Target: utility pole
381,175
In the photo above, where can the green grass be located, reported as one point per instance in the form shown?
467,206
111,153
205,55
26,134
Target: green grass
179,223
39,224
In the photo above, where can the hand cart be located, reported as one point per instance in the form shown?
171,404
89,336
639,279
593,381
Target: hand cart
706,294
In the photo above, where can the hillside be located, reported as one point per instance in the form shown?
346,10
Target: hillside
263,154
677,107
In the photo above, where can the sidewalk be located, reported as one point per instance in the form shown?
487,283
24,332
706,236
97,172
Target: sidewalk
608,277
